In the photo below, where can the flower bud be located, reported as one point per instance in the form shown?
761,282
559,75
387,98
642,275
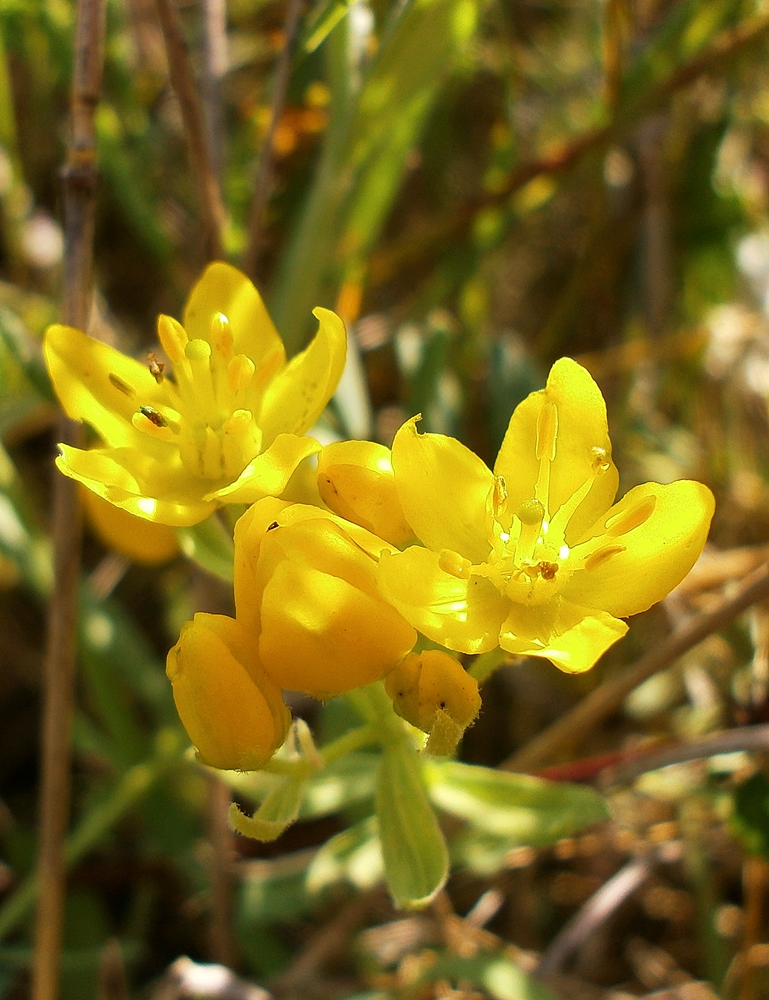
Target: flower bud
233,712
433,692
356,480
310,594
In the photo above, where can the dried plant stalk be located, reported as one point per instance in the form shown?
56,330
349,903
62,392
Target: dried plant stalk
80,177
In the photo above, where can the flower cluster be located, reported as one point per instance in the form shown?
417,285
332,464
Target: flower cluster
534,556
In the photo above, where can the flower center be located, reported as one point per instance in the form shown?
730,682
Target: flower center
215,400
530,560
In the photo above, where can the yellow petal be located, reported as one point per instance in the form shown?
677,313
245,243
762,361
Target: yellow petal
442,488
581,427
323,635
356,480
658,553
232,711
299,393
224,289
572,637
269,473
137,539
159,491
101,386
461,614
253,528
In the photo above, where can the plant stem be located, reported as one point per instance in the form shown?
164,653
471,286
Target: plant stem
80,177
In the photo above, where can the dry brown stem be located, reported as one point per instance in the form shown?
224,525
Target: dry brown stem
608,698
198,149
80,178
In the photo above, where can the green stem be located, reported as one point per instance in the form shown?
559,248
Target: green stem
362,737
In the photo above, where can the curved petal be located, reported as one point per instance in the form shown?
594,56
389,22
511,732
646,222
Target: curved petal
442,487
269,472
581,427
571,637
159,491
299,393
322,635
464,615
356,480
658,553
145,542
250,532
100,385
224,289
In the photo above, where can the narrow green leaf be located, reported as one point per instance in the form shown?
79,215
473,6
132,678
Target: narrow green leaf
529,811
322,22
414,851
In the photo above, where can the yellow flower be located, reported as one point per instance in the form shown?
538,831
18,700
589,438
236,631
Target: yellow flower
232,711
533,556
305,585
227,429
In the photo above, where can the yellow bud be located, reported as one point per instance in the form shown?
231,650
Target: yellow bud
233,712
356,480
428,686
141,541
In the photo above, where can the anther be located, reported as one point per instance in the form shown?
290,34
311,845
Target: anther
173,337
600,460
156,367
121,386
153,416
222,340
454,564
240,371
633,517
499,496
600,556
197,350
547,431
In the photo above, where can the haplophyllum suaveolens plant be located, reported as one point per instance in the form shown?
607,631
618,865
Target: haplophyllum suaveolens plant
228,427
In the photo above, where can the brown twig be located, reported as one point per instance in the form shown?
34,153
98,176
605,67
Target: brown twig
263,174
608,698
214,69
594,912
221,934
745,738
80,177
198,149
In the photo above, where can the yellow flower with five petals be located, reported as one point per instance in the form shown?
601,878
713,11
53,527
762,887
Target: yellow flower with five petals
227,428
535,556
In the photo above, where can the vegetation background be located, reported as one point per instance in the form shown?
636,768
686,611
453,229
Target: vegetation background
479,187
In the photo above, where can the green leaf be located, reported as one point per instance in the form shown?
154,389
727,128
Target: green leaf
322,22
352,856
413,849
527,811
